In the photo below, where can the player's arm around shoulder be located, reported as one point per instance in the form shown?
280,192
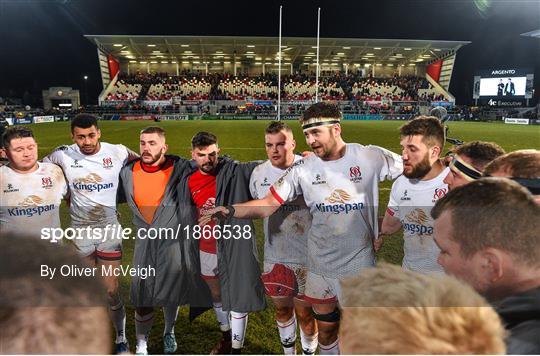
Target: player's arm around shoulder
130,156
56,156
247,168
258,208
391,163
390,223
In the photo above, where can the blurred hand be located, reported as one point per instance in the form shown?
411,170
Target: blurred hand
378,242
215,214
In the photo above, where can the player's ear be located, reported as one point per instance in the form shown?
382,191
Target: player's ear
293,144
98,135
337,130
165,148
436,151
492,264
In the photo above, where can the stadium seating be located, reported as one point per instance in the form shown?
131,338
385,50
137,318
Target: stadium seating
123,91
260,88
297,87
183,88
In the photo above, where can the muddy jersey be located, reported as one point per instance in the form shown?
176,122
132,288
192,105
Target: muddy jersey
286,230
31,201
342,196
411,201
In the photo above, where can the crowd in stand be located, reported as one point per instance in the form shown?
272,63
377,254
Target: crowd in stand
223,86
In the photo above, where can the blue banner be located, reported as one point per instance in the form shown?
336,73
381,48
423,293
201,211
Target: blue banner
23,120
441,103
263,102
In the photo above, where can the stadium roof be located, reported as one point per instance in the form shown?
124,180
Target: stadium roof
264,49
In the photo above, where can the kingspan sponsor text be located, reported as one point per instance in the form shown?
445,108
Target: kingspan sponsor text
30,211
90,187
339,208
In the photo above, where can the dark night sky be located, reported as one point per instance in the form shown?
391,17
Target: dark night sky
42,43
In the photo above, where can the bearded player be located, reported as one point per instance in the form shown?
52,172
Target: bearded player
415,193
229,266
340,187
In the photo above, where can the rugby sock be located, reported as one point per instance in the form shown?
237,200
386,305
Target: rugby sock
238,327
117,313
287,334
332,349
309,343
222,317
170,314
143,324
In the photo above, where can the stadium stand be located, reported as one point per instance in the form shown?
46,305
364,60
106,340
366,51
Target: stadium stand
123,91
263,87
218,86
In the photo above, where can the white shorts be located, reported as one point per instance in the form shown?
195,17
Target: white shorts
209,265
109,250
322,290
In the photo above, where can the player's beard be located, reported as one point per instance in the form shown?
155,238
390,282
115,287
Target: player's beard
327,149
154,158
420,170
207,168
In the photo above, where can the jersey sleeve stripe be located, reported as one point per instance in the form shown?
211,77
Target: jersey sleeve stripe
390,211
276,195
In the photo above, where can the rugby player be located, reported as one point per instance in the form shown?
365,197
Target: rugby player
468,161
340,187
229,267
32,191
415,192
154,208
523,166
92,169
285,247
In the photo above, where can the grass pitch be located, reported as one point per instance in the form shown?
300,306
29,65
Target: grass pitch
244,140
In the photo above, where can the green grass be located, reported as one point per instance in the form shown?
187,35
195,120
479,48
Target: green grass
244,140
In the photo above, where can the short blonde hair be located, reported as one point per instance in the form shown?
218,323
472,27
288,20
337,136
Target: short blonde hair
387,310
521,164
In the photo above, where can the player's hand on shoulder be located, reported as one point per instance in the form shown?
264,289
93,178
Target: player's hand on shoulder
60,148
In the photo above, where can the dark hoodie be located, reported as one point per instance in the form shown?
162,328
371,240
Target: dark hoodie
521,316
239,273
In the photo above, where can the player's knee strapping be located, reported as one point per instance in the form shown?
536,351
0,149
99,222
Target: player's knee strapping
332,317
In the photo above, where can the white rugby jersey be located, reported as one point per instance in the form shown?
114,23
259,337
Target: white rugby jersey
411,201
286,230
31,201
342,196
93,181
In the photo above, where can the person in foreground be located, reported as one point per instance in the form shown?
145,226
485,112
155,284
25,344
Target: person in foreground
425,314
489,235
